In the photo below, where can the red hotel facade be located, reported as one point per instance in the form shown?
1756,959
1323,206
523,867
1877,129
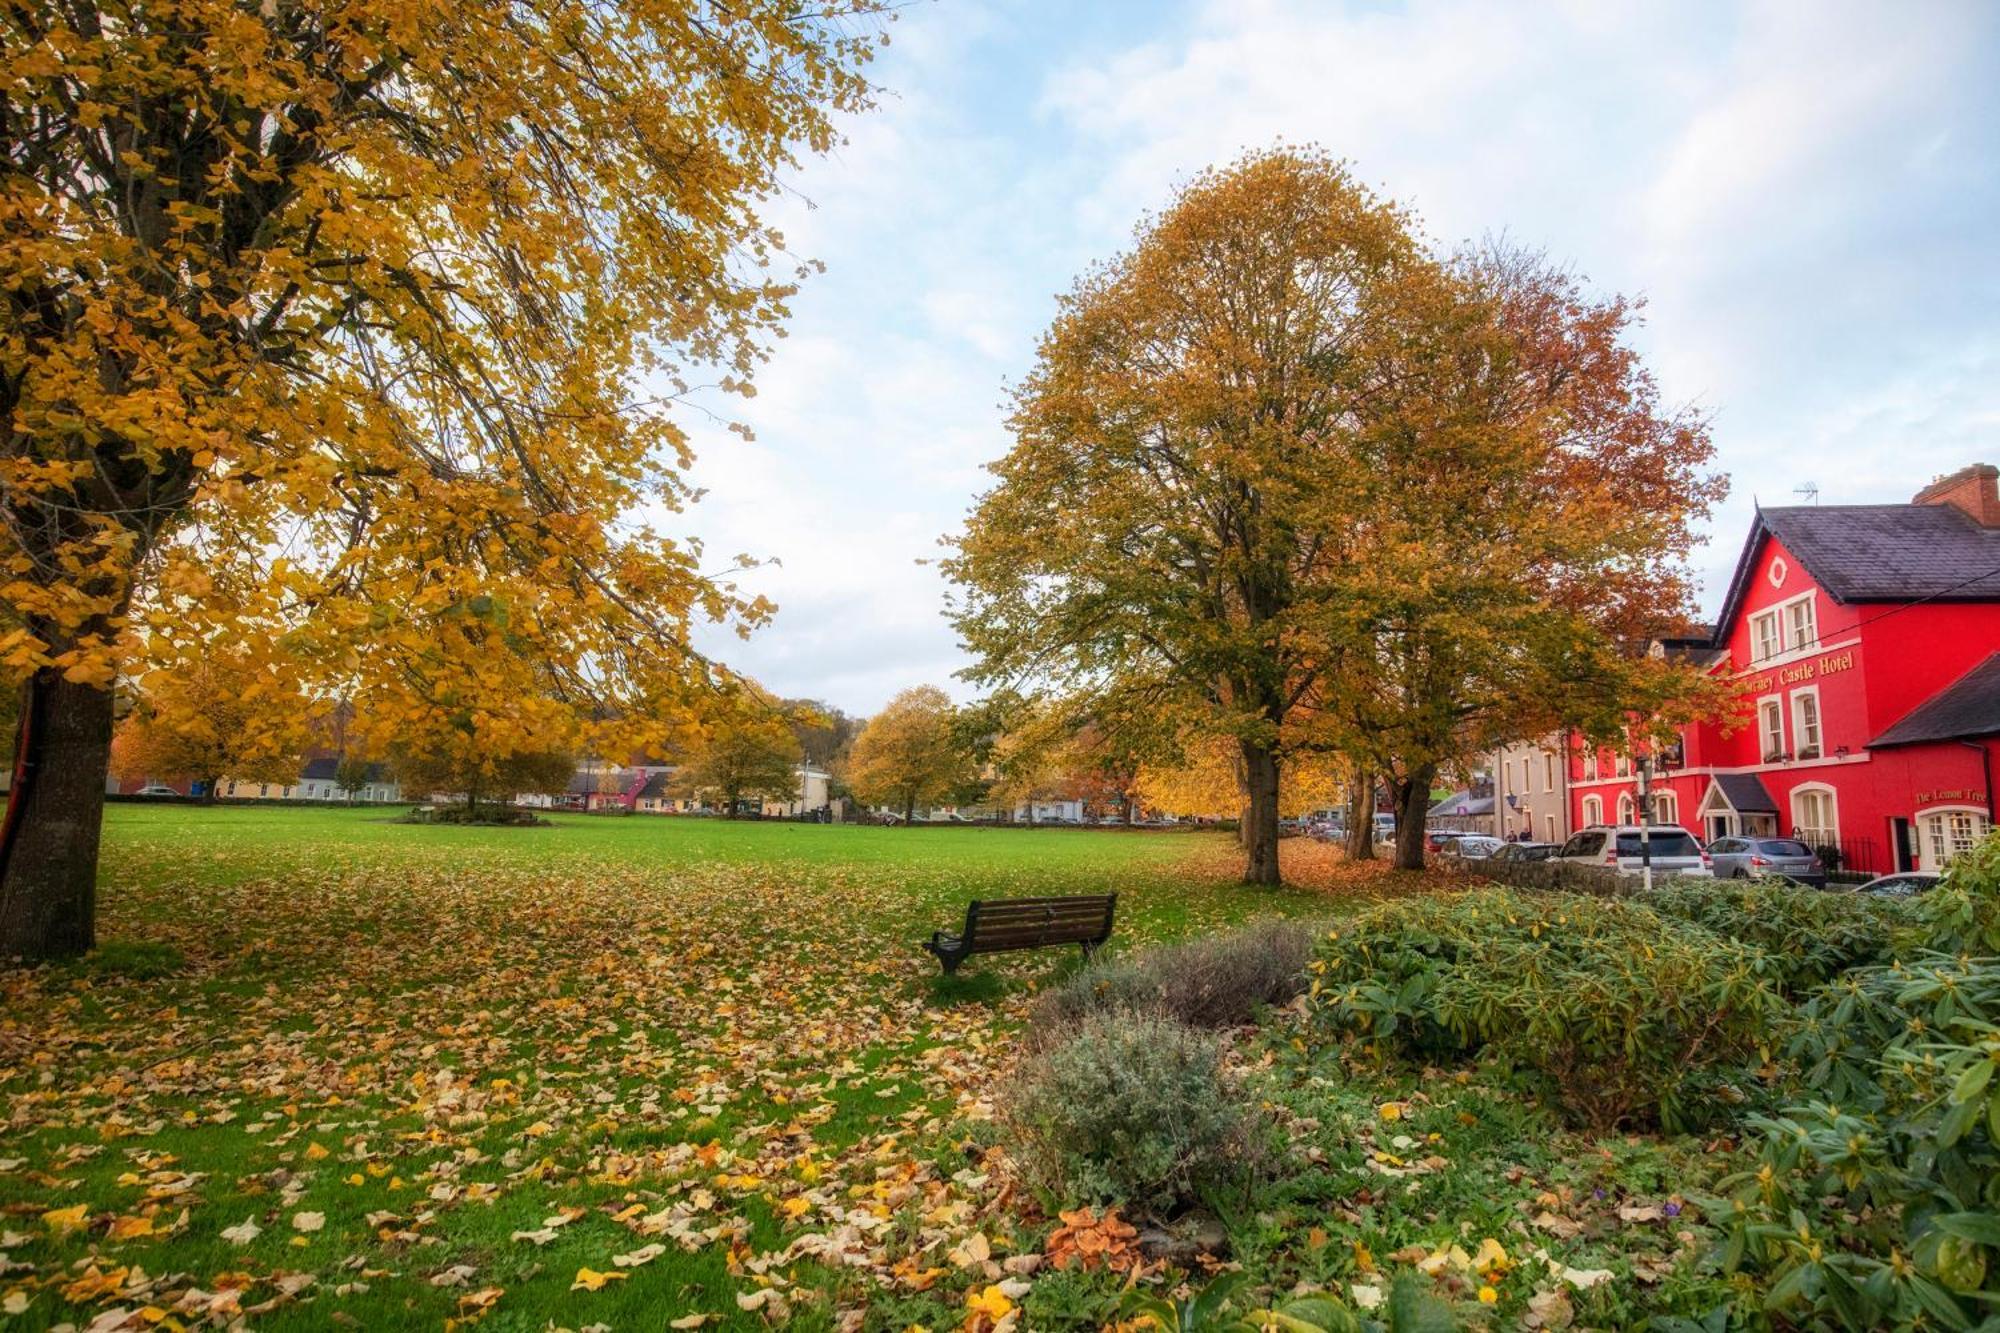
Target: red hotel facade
1869,639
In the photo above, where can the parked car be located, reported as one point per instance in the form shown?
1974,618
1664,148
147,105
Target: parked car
1435,840
1754,858
1903,884
1472,847
156,789
1527,851
1672,850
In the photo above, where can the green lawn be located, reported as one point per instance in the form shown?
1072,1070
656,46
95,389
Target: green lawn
441,1072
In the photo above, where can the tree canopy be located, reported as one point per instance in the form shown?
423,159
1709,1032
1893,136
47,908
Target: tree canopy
322,323
910,753
1283,475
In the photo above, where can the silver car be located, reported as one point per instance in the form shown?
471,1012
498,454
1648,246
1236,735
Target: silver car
1754,858
1903,884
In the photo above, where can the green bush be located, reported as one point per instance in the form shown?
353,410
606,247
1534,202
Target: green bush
1875,1201
1626,1016
1131,1108
1217,981
1808,936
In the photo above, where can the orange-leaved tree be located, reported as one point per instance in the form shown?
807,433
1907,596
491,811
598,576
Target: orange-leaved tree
745,748
318,322
222,713
910,753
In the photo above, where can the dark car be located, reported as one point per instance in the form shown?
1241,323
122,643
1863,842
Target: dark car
1755,858
1526,851
1904,884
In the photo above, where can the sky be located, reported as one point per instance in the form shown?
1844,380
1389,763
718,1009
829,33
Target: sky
1805,195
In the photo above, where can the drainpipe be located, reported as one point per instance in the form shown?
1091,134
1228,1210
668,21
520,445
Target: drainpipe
1986,772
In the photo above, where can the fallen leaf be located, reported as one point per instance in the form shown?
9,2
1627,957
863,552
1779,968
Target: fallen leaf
308,1221
243,1232
589,1279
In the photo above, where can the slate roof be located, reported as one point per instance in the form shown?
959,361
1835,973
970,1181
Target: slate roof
1746,793
1473,805
326,767
1968,707
1878,553
656,785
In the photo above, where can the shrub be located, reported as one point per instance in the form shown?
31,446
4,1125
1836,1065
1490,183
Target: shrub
1876,1198
1627,1016
1808,936
1218,981
1131,1108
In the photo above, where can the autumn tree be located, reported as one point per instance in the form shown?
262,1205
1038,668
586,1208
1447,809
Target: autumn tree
910,753
1161,527
320,321
748,750
354,771
1520,513
825,733
434,770
226,713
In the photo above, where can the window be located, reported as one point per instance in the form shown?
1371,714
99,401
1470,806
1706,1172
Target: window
1764,636
1948,833
1802,624
1548,772
1590,765
1771,727
1625,808
1549,823
1527,776
1622,765
1805,722
1593,810
1814,820
1666,808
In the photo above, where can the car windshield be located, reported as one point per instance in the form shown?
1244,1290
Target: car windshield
1664,843
1784,847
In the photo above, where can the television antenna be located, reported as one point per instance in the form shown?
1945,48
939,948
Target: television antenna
1807,491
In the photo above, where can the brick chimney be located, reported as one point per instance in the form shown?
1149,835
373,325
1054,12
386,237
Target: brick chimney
1975,489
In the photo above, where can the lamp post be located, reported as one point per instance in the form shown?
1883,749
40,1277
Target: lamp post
1645,766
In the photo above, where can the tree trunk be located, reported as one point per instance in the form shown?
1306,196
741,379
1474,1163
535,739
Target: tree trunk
1361,818
211,788
1259,828
48,843
910,810
1412,796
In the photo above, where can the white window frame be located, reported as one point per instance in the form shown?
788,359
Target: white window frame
1527,774
1767,753
1590,764
1932,855
1763,646
1795,642
1549,822
1627,808
1593,810
1801,730
1548,772
1621,765
1814,834
1666,808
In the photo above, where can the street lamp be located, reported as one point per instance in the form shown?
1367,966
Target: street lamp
1645,763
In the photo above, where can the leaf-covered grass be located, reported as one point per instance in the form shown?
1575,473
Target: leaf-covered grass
335,1065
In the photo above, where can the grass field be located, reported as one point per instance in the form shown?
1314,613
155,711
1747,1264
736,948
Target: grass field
327,1068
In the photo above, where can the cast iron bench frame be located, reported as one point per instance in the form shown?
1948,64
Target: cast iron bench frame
1002,925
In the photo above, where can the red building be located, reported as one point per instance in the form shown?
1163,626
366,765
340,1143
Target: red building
1867,638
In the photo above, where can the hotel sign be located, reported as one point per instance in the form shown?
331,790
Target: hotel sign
1794,673
1962,794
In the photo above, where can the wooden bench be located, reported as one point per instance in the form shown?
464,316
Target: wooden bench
1000,925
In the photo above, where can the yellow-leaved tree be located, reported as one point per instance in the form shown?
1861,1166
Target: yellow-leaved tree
320,323
910,753
745,749
222,713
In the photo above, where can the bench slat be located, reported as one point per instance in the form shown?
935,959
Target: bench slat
1001,925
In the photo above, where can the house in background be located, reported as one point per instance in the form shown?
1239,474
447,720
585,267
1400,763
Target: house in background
1866,641
1531,790
320,782
1467,811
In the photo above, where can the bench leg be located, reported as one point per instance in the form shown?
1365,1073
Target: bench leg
951,962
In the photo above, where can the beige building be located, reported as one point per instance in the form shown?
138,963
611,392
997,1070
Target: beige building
1531,790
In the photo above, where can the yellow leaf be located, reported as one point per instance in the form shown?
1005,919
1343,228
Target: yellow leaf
60,1220
589,1279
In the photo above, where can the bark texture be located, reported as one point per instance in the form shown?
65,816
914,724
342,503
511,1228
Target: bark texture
48,843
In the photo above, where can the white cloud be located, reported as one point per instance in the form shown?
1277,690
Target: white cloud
1805,194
